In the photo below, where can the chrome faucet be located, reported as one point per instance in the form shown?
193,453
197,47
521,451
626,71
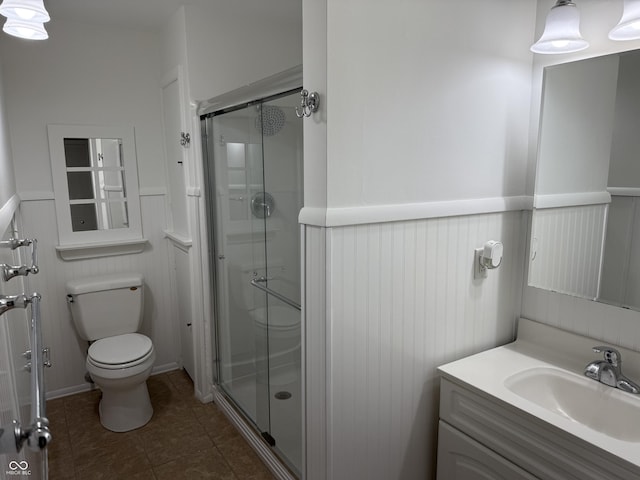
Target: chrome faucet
609,370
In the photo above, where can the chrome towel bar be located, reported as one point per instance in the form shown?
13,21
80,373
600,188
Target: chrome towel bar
257,282
37,434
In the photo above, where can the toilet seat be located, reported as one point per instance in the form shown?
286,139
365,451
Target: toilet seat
120,351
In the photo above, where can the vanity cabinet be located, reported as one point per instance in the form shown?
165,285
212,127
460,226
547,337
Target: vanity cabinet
482,437
462,458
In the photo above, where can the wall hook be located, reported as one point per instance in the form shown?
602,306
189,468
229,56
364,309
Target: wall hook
309,103
185,139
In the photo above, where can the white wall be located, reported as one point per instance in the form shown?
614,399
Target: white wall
7,178
89,75
232,44
416,123
427,101
173,38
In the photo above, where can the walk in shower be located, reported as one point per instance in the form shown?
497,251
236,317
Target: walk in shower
253,168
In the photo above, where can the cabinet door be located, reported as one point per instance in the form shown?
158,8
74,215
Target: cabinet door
462,458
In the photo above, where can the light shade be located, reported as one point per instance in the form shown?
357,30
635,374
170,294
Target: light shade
24,29
561,31
628,28
26,10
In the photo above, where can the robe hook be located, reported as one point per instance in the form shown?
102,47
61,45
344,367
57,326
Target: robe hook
309,103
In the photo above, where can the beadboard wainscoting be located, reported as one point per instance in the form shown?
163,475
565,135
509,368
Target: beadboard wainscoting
401,300
567,246
68,351
315,327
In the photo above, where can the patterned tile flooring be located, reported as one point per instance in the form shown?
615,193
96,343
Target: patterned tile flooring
185,439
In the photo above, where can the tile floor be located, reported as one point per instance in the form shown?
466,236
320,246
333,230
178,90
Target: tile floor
184,440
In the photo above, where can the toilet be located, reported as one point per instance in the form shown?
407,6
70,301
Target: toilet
107,311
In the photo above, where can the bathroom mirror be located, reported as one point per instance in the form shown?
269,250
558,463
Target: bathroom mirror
95,179
95,183
585,237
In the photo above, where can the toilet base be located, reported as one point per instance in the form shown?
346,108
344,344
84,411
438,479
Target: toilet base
122,410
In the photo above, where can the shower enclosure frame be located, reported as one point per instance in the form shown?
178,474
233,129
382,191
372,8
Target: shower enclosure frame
275,87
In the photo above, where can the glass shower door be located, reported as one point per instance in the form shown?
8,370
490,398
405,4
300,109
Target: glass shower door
282,152
255,183
239,256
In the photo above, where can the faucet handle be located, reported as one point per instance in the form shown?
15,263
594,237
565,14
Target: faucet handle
611,355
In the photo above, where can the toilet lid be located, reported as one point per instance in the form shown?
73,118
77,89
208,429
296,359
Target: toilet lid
120,349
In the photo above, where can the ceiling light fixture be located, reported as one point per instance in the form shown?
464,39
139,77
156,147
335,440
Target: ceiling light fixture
25,29
628,28
561,30
30,10
25,18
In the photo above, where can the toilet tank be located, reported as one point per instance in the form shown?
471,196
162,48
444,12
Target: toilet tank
106,305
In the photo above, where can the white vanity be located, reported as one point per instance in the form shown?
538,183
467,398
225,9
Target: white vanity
525,411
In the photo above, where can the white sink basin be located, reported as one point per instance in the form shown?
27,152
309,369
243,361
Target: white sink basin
581,400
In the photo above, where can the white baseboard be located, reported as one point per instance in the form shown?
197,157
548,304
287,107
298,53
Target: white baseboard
85,387
167,367
65,392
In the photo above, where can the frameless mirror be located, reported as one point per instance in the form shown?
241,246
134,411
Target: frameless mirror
586,221
95,183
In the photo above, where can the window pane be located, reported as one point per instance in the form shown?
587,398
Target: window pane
80,185
112,182
114,215
83,217
76,152
108,150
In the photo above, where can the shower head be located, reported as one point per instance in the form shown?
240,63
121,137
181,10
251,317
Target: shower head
270,120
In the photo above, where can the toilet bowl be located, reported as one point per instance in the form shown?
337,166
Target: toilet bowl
120,366
107,311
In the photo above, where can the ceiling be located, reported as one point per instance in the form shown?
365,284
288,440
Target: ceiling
153,14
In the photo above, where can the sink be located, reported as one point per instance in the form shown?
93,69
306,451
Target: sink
581,400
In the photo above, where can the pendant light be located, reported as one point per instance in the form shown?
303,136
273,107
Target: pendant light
628,28
25,19
24,29
561,31
27,10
